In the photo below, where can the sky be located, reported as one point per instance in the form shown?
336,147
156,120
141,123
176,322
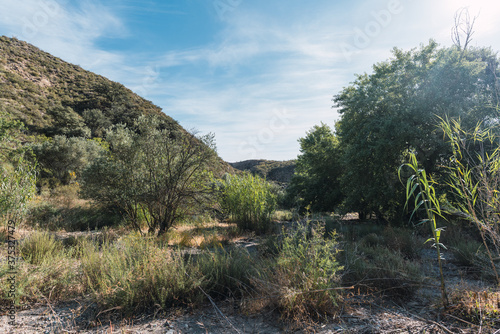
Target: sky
257,74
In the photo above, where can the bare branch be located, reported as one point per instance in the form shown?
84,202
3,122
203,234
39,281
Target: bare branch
462,31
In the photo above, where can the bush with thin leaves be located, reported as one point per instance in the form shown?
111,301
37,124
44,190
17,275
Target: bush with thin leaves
248,200
474,180
304,284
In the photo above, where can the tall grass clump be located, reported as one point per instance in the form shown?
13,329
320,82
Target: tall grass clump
137,274
134,274
49,272
226,273
248,200
474,180
39,246
303,283
372,267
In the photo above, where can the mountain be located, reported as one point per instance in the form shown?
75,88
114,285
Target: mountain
278,171
51,96
39,88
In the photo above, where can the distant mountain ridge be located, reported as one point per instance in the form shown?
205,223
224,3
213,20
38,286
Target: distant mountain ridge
278,171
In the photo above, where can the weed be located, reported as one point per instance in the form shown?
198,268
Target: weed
39,246
303,284
378,269
480,307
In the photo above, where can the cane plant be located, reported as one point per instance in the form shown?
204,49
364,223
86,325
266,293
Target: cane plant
420,186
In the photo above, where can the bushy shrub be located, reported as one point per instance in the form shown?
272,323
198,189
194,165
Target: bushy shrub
378,268
39,246
248,200
302,285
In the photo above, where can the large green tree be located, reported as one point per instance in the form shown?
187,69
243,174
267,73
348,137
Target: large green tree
64,158
315,183
393,110
156,173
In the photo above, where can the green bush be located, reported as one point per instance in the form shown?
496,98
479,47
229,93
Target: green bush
378,268
39,246
306,273
248,200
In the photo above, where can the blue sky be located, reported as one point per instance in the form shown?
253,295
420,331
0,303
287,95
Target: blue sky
258,74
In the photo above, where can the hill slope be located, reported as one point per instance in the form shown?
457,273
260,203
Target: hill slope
51,96
278,171
37,88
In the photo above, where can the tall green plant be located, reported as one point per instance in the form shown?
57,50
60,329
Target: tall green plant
248,200
421,187
474,179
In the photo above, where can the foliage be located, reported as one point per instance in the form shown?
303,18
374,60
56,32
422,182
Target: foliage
17,188
422,189
151,172
47,274
279,172
17,176
38,246
479,306
67,122
316,182
65,158
393,110
304,281
136,274
247,200
50,95
474,180
372,267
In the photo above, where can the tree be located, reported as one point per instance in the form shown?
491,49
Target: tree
67,122
157,173
60,156
316,179
97,122
386,114
17,175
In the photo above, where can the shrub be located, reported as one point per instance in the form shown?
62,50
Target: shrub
248,200
377,268
39,246
48,273
302,285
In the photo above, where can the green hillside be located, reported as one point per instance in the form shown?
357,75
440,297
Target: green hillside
277,171
49,95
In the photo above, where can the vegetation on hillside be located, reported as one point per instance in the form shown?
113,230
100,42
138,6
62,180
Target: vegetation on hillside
53,97
279,172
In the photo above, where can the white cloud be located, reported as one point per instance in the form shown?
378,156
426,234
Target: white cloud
66,31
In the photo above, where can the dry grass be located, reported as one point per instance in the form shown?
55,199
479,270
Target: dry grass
206,234
480,307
